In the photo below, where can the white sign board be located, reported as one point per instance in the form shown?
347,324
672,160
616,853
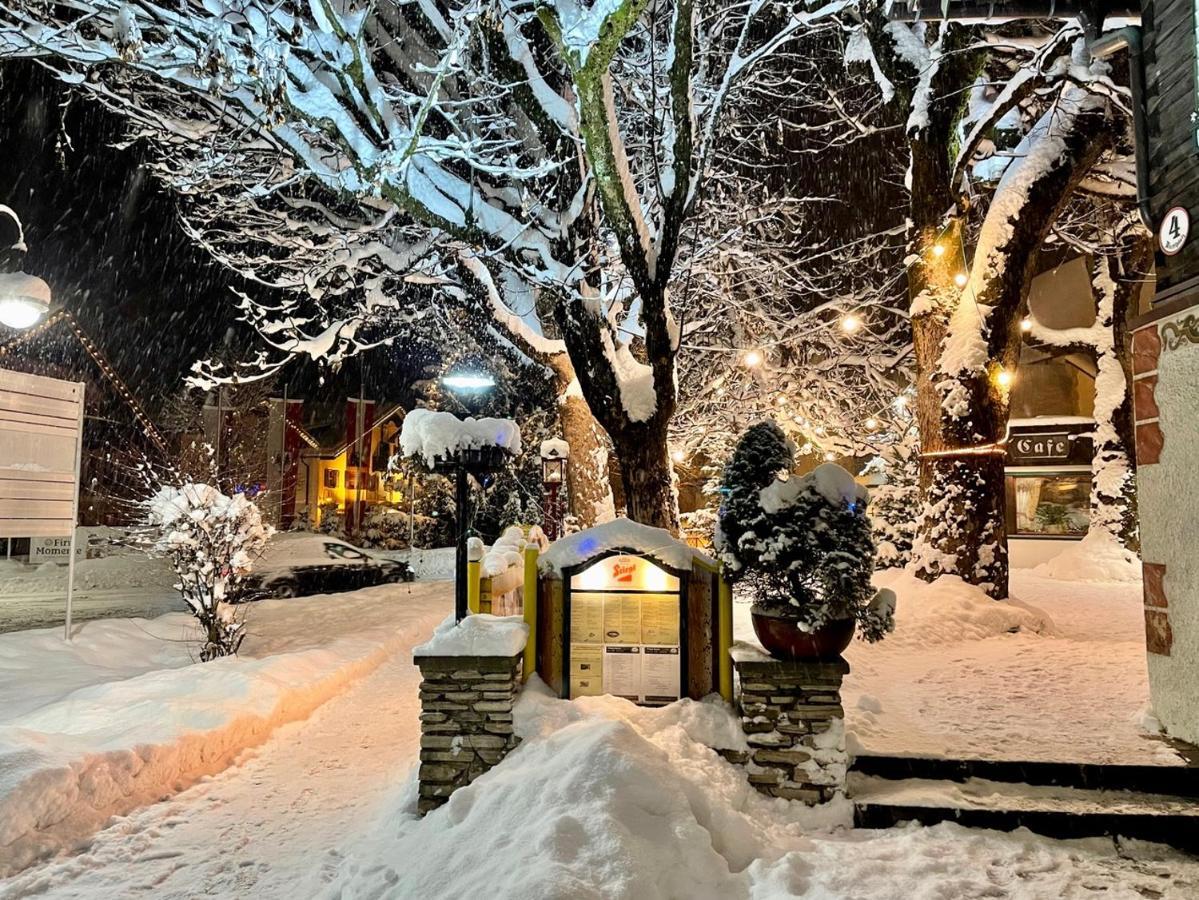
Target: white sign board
41,439
1174,230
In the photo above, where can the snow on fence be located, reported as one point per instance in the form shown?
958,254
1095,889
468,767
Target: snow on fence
497,576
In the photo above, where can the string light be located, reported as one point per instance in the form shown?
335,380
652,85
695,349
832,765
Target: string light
752,359
829,456
872,423
1026,324
850,323
938,250
1004,378
677,455
960,279
780,400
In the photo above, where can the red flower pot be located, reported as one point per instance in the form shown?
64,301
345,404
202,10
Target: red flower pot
782,637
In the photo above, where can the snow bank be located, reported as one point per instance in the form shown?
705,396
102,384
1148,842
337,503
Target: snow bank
433,435
949,610
1096,558
603,799
620,534
107,573
116,724
477,635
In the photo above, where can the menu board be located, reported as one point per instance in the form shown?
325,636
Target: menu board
587,619
659,675
622,619
586,670
660,619
622,671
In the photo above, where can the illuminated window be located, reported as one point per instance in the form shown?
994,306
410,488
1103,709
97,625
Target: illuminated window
1049,505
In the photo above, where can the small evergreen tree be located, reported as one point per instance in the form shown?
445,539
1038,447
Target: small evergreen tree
895,504
803,546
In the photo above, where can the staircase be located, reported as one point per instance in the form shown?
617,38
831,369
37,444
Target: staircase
1059,800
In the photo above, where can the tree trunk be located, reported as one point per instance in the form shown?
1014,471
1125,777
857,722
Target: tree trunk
1116,282
648,476
588,489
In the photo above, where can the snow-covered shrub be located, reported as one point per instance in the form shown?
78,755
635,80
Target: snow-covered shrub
803,545
895,505
210,540
389,528
332,520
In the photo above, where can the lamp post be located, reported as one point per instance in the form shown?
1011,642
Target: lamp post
24,299
464,463
554,454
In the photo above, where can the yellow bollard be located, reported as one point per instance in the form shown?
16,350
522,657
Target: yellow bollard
724,631
473,574
530,609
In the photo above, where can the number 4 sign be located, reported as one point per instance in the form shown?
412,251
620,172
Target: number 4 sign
1174,230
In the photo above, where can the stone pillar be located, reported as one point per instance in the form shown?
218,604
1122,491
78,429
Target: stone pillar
794,724
465,720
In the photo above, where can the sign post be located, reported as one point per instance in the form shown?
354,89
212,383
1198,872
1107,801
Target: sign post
41,447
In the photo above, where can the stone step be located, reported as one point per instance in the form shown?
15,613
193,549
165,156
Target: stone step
1050,810
1179,780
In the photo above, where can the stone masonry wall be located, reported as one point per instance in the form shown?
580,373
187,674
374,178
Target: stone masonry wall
794,724
466,720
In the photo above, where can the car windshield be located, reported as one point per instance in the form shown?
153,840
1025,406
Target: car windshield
343,551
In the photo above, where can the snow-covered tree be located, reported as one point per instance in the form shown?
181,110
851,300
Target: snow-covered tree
1120,254
552,145
978,215
801,545
210,540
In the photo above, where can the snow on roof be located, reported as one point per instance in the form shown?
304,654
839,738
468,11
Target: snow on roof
432,435
620,534
1035,421
477,635
555,448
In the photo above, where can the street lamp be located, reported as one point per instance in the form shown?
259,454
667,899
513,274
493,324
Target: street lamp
24,299
554,454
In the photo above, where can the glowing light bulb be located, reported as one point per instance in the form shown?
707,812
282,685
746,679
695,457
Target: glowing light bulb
901,401
780,399
829,456
752,359
960,279
1026,324
677,455
938,250
872,423
1004,378
850,323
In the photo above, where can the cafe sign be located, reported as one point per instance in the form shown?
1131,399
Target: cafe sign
1040,447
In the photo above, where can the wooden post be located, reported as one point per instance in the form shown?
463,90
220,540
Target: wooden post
529,603
473,584
724,631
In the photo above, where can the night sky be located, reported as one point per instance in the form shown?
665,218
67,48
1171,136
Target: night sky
104,235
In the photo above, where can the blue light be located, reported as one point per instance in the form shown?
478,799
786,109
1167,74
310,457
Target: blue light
588,544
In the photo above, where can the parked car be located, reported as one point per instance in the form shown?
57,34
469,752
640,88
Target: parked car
295,565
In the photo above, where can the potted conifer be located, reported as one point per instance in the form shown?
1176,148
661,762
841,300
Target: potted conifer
803,547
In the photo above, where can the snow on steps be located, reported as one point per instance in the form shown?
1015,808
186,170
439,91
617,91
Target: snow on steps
110,747
1059,800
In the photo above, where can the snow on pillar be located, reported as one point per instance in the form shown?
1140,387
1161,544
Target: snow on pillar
1166,410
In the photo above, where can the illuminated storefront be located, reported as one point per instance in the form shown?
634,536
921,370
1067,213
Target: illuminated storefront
1048,476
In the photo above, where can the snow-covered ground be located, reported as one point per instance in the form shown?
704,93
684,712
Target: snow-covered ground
604,799
121,717
125,585
1059,674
